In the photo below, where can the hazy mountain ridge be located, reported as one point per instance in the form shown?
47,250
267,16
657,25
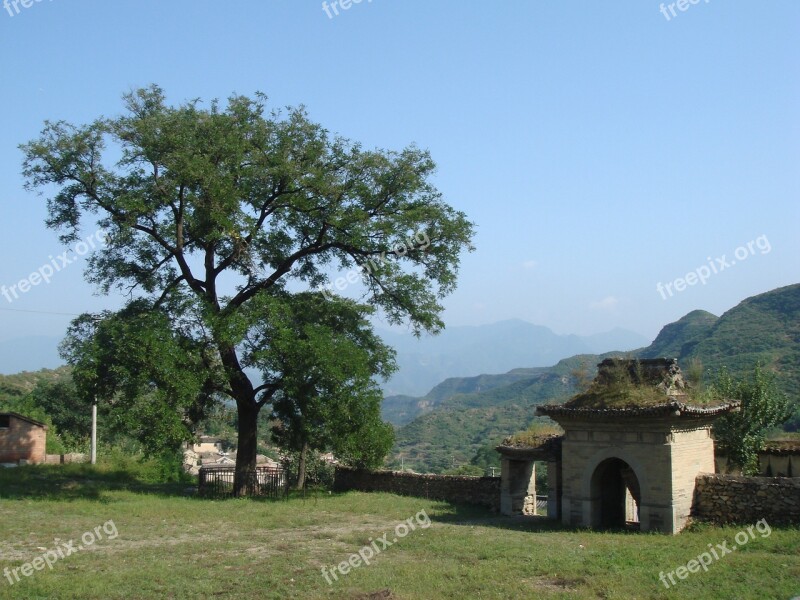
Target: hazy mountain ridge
496,348
402,409
424,362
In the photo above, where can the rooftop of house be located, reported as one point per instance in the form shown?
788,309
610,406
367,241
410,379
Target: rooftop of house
540,442
24,418
545,449
640,386
783,446
208,439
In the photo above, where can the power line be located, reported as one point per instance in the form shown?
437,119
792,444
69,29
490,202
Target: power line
40,312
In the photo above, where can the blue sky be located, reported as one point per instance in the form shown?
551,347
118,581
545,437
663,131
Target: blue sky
600,148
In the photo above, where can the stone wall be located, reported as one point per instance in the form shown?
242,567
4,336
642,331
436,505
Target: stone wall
65,459
736,499
482,491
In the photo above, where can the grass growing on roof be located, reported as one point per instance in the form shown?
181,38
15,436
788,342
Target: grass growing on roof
624,387
534,435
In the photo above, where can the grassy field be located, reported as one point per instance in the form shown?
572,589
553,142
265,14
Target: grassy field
168,545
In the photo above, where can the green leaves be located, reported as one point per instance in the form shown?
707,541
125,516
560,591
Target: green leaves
763,405
158,381
202,192
328,355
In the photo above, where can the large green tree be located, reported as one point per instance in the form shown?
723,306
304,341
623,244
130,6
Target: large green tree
210,211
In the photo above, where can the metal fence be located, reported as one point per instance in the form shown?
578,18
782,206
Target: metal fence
217,482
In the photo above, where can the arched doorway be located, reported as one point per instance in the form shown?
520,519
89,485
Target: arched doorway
615,495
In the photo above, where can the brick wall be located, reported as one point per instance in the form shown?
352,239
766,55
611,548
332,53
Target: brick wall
22,440
736,499
483,491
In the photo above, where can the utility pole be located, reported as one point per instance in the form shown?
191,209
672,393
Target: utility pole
94,431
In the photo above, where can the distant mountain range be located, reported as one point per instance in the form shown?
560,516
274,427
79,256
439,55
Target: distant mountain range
461,416
495,348
456,352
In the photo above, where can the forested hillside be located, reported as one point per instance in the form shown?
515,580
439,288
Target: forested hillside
463,415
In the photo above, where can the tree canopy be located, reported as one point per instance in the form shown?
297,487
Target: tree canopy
328,355
210,214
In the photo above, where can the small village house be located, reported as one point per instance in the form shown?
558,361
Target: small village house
207,445
22,440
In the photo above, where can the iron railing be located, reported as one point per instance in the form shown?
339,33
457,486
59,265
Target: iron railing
217,481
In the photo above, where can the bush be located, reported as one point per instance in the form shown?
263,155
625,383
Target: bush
319,473
466,470
166,467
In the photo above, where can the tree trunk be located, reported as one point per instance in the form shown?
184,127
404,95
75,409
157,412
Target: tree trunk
301,467
244,480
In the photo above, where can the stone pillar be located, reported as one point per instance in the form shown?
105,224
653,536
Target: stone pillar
553,487
518,480
505,487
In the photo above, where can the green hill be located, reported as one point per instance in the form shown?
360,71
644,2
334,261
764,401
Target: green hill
463,423
678,339
763,328
401,409
20,384
462,415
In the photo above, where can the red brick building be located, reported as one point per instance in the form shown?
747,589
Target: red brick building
21,438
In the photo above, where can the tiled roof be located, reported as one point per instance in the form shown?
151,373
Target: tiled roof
548,448
782,447
671,408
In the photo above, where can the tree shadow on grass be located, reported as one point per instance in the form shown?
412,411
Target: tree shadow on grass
78,482
471,515
465,514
